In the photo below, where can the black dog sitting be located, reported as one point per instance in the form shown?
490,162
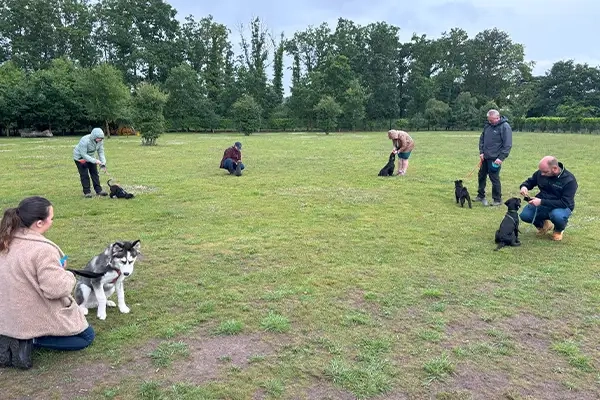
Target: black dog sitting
508,233
118,192
461,193
388,170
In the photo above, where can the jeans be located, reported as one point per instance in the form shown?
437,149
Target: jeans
230,165
558,216
67,343
494,174
90,168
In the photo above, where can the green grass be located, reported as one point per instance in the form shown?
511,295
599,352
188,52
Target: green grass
346,280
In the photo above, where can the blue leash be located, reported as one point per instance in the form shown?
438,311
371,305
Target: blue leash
533,220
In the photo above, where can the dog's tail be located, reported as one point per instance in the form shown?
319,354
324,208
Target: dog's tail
87,274
108,182
500,245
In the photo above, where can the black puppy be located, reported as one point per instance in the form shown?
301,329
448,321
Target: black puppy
388,170
461,193
118,192
508,233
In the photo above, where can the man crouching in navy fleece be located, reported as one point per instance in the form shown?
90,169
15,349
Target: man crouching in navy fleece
553,205
232,159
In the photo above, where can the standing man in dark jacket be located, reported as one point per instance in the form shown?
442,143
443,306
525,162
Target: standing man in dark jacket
232,159
495,143
556,200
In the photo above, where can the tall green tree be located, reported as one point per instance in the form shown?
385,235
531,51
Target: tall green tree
437,113
148,103
103,94
494,63
465,113
51,97
354,104
12,93
247,114
255,53
188,106
381,77
327,112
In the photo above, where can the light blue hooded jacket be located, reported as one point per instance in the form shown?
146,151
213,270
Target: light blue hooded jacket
87,146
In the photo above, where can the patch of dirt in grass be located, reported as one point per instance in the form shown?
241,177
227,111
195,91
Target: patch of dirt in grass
357,300
480,384
210,356
325,391
394,395
138,189
529,331
529,369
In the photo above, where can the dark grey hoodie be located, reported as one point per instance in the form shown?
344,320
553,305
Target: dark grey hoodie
496,140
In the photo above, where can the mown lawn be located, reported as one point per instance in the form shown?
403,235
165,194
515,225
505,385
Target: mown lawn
309,277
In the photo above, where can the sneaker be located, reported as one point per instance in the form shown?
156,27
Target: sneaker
479,198
496,203
557,236
21,353
102,193
483,201
545,228
238,170
88,195
5,358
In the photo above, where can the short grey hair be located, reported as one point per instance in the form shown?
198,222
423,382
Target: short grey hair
493,112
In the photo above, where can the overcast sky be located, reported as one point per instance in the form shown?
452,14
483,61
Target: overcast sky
550,30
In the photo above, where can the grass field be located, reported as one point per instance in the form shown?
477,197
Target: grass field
309,277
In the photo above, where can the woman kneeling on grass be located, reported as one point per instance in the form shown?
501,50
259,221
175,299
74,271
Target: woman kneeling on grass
37,308
403,145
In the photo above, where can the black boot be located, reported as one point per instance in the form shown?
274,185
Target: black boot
21,353
5,358
238,170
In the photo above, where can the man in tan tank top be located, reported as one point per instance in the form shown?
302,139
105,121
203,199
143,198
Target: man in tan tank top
403,146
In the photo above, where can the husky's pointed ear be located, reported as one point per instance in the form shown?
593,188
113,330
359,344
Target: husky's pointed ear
116,247
136,245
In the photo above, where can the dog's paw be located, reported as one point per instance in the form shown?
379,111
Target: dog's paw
84,310
110,303
102,316
124,309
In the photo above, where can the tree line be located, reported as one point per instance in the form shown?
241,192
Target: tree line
69,64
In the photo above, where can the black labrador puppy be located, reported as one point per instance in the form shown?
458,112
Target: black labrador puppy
461,193
118,192
388,170
508,233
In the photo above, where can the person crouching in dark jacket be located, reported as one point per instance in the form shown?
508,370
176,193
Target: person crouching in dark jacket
555,202
232,159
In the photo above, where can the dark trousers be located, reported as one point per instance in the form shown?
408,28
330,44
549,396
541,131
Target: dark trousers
486,170
86,171
231,165
67,343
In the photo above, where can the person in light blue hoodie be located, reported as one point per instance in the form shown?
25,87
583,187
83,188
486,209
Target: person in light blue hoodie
87,164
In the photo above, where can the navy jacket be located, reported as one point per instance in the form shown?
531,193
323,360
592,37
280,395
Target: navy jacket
555,191
496,140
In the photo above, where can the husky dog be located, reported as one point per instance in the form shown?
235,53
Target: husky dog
118,192
388,169
113,266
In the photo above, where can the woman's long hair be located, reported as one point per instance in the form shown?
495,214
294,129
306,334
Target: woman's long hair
29,211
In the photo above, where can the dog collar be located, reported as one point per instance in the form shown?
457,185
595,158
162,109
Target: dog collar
118,271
